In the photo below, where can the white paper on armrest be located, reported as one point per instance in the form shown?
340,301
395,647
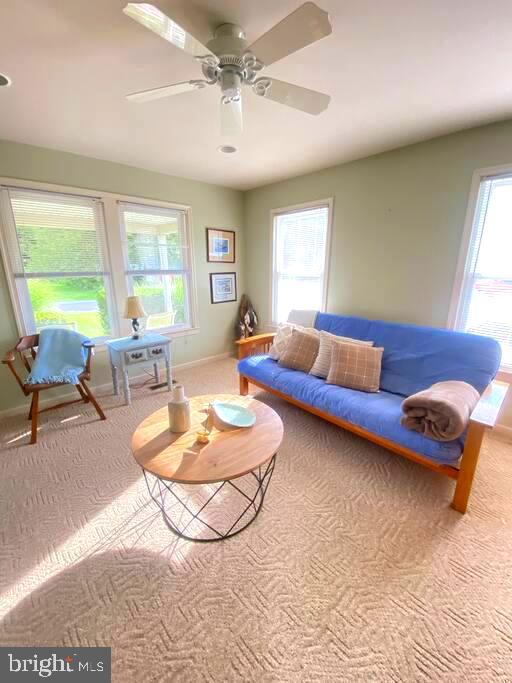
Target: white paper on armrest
303,318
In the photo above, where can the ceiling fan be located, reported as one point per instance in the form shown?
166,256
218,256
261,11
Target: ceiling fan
228,62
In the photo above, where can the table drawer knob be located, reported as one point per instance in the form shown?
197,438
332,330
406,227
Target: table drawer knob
136,356
157,351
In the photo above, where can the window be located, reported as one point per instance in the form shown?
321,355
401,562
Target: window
300,253
484,294
59,263
158,263
71,260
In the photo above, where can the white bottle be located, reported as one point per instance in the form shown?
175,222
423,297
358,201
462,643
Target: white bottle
179,410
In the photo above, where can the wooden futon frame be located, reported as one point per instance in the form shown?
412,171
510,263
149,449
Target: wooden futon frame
483,417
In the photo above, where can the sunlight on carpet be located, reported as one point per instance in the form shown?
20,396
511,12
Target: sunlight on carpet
355,569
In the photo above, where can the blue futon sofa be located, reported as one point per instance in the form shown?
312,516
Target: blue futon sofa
414,358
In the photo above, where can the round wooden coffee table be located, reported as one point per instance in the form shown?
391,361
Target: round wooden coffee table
208,492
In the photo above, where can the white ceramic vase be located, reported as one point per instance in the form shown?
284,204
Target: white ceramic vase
179,410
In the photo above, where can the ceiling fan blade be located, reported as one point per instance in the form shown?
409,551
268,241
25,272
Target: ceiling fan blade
165,91
231,117
310,101
307,24
155,20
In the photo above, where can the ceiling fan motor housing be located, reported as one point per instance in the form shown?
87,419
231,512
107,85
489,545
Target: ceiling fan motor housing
228,39
236,66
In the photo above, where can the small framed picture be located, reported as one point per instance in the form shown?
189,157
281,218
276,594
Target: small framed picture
220,245
222,287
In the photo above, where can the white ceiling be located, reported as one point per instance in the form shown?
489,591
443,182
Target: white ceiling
398,72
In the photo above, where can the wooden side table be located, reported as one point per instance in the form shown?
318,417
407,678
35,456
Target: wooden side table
230,474
126,352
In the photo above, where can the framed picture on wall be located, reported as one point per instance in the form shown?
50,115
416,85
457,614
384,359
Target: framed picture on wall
222,287
220,245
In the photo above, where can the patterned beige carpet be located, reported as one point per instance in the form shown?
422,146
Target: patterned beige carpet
355,570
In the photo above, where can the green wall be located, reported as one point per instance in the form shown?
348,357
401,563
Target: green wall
397,226
212,206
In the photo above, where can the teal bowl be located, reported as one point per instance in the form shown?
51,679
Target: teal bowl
232,415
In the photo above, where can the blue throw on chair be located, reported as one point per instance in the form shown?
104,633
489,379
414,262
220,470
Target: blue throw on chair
60,358
54,357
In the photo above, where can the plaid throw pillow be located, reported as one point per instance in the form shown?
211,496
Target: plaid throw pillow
355,366
283,336
323,360
280,342
300,353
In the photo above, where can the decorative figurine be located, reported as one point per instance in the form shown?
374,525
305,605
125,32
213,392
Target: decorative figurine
247,319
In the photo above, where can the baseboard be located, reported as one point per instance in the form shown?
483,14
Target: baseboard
23,408
203,361
503,432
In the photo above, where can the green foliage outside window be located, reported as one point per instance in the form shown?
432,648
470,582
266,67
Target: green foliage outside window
53,250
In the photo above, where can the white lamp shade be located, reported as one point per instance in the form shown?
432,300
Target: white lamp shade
133,308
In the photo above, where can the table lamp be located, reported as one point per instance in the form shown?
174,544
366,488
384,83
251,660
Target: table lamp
134,310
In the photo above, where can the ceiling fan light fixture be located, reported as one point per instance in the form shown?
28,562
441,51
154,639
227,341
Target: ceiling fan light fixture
4,80
227,149
231,84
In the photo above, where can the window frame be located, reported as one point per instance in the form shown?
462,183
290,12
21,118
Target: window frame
295,208
20,287
464,258
187,272
114,253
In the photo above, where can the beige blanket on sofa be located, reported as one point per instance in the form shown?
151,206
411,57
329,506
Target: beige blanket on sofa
441,412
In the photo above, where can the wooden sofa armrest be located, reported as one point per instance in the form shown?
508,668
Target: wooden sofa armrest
488,407
245,346
483,417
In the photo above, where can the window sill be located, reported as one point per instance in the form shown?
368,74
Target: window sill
101,346
183,332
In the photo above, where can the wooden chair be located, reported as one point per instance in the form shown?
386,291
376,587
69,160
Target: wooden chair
30,344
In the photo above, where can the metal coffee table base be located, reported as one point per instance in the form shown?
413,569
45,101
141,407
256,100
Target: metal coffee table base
163,491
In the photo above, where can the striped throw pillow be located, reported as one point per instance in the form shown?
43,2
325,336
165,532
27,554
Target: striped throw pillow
355,366
323,360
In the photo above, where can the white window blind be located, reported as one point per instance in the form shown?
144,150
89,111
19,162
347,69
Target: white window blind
158,264
300,257
485,305
56,243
